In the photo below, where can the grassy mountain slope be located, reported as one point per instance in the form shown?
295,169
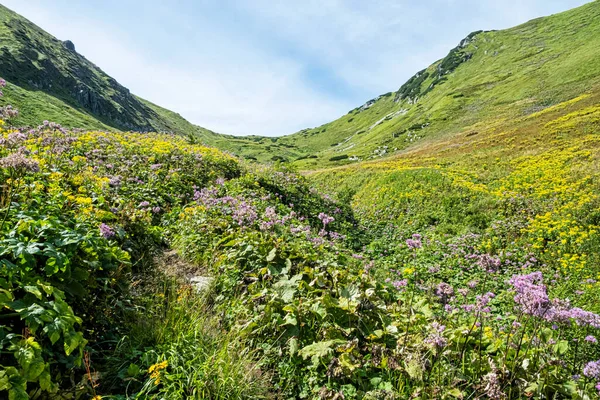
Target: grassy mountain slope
490,76
50,80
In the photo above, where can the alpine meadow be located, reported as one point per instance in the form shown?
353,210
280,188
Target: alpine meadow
438,242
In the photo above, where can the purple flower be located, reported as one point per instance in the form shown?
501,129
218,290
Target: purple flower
415,242
531,294
400,284
115,181
144,204
326,219
592,369
156,210
445,292
532,298
591,339
106,231
488,263
18,162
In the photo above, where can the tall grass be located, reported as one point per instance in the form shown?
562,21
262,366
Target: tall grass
175,350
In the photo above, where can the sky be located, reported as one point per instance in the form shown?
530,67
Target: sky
270,67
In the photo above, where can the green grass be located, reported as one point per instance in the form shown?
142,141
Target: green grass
49,82
511,73
203,360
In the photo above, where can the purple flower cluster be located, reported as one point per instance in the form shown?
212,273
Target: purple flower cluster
8,112
400,284
18,162
326,219
445,292
481,304
592,369
532,298
106,231
489,263
415,242
436,339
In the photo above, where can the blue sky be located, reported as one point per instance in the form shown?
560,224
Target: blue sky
270,67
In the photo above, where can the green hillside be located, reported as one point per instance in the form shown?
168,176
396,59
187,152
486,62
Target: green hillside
441,242
49,80
489,76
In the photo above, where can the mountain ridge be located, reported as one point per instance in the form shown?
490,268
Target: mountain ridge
44,68
510,72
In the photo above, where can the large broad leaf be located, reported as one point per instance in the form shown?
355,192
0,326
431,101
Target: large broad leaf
286,288
72,341
272,254
319,350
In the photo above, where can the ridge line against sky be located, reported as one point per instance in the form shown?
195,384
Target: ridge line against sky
270,67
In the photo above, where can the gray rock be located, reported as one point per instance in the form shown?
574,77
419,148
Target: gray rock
69,45
200,282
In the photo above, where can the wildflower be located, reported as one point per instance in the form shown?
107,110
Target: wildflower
493,388
106,231
115,181
488,263
144,204
400,284
326,219
436,339
18,162
591,339
156,210
444,289
531,295
592,369
472,284
155,369
415,242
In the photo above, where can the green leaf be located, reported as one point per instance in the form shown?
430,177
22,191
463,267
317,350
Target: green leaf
34,290
293,344
17,393
561,347
319,349
53,330
72,341
5,297
5,377
290,319
133,370
34,370
456,393
272,254
45,379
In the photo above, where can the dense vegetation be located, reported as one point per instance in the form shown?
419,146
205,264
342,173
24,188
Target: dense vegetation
417,278
464,267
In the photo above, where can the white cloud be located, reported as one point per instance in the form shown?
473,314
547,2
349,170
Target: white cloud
249,75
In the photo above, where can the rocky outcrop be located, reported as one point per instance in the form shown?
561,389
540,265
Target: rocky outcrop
412,90
69,45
